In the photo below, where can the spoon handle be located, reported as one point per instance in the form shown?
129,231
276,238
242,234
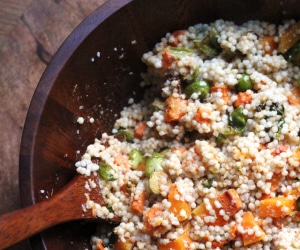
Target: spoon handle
64,206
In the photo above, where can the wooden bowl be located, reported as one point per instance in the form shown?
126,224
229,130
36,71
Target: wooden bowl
93,74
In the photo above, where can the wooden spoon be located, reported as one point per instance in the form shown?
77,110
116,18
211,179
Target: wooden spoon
66,205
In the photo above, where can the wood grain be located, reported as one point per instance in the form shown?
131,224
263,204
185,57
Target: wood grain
30,33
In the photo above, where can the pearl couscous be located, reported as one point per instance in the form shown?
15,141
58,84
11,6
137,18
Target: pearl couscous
210,158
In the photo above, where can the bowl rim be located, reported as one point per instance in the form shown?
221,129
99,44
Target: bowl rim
38,100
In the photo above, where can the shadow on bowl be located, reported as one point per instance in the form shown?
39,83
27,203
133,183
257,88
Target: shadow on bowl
93,75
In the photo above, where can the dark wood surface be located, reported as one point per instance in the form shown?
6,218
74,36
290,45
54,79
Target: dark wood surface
31,31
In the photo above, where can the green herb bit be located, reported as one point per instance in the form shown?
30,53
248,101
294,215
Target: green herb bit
127,134
135,158
207,183
201,87
244,83
154,164
237,120
109,207
106,172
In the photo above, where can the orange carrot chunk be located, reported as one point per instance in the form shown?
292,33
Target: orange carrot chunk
224,90
202,116
252,231
137,205
181,243
243,98
276,207
175,108
174,41
167,59
140,129
179,207
268,44
230,201
124,245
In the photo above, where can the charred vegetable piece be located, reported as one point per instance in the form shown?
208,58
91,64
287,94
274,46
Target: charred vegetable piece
293,54
289,38
106,172
126,133
209,45
135,157
237,120
244,83
200,87
298,204
154,164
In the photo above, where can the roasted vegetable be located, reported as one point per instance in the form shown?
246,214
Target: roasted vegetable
106,172
237,120
244,83
200,87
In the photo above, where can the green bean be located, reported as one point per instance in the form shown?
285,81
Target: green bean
244,83
201,87
135,158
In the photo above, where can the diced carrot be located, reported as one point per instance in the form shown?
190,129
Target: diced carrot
179,207
167,59
224,90
268,44
296,154
182,242
201,116
122,161
276,207
294,98
175,108
175,37
219,244
140,129
152,221
124,245
125,189
202,212
141,167
280,149
137,205
99,245
243,98
252,231
289,38
230,201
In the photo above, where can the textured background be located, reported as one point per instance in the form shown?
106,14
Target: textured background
30,33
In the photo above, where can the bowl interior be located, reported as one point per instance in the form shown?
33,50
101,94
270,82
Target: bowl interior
93,75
